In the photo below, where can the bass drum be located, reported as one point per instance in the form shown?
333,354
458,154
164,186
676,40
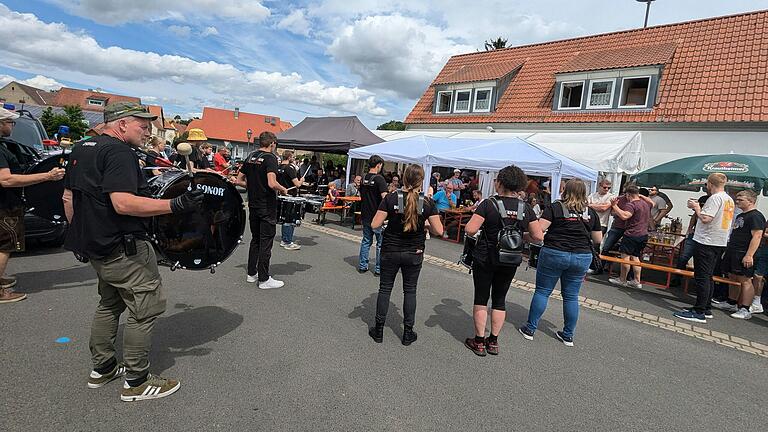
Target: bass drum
44,199
199,240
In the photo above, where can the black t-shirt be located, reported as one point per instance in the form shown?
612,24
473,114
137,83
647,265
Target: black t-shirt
567,233
199,159
97,167
493,224
255,169
10,198
743,225
286,173
395,239
371,188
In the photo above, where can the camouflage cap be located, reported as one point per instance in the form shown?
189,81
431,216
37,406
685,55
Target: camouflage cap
120,110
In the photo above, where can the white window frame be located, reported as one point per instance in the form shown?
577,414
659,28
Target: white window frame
647,93
95,102
490,99
589,94
437,102
456,101
560,94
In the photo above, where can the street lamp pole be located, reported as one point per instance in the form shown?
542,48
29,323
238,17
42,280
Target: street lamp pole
249,133
647,10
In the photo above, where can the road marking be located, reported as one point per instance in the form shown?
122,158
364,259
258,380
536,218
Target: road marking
622,312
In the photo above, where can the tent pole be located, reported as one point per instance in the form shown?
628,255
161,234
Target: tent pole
349,168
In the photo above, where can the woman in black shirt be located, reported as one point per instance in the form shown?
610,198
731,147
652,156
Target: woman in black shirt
571,225
403,247
491,278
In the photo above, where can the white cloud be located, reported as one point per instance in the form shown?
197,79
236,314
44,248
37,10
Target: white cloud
55,46
396,53
113,12
38,81
209,31
296,22
180,31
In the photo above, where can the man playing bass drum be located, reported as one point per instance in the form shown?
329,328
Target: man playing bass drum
107,215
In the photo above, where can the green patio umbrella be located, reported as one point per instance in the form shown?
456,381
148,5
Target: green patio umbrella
743,171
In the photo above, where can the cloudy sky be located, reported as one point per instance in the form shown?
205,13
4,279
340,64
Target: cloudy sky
291,58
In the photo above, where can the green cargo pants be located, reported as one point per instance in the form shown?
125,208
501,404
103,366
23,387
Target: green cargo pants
127,282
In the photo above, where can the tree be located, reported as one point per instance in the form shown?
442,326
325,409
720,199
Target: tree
495,44
392,125
72,117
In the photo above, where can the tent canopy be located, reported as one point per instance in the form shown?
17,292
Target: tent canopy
327,134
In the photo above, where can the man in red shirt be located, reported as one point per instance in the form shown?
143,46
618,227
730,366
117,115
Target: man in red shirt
221,161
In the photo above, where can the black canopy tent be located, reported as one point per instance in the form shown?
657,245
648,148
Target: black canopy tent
328,135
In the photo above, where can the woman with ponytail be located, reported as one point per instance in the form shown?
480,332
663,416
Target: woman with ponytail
409,214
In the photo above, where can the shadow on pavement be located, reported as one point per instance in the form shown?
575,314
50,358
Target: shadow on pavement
183,333
305,241
517,316
34,282
450,317
366,312
352,260
289,268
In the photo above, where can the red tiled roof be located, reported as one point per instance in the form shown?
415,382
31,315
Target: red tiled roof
222,125
69,96
458,71
620,58
159,122
284,126
715,71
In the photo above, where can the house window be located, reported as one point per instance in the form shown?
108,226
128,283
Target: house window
634,92
600,94
95,102
570,94
267,119
444,99
482,100
462,101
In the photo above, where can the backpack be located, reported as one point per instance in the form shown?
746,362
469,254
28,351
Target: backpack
509,242
400,207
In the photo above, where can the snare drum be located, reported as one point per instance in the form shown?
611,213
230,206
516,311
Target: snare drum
313,203
199,240
290,210
44,199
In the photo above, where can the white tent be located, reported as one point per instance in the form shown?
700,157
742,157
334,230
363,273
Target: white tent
486,156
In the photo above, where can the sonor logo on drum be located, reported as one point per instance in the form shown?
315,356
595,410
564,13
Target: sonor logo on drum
211,190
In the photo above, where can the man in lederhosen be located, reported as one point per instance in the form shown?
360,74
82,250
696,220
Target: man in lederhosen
107,215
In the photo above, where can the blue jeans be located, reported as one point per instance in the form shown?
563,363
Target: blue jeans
288,233
365,247
687,253
567,267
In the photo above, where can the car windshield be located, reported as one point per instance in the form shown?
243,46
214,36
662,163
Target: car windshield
26,132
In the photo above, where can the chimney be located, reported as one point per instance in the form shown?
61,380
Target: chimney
237,113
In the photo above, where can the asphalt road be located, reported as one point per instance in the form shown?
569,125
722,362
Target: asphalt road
299,358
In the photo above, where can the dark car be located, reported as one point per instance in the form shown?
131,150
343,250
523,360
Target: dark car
31,134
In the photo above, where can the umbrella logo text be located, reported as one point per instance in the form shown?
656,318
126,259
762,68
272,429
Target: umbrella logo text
729,167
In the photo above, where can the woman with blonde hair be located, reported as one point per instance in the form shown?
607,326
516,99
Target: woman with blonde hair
402,249
571,226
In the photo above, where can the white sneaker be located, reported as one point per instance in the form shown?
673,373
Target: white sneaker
742,314
271,283
634,284
617,281
292,246
590,271
756,308
725,306
428,237
252,279
283,244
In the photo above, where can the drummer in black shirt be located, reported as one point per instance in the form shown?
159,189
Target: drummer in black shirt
373,189
259,176
12,180
288,177
107,213
403,248
491,279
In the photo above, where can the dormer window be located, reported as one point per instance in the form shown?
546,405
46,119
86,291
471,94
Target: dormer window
95,102
444,99
634,92
462,101
571,93
600,94
483,100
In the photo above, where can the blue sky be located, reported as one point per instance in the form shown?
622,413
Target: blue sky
291,59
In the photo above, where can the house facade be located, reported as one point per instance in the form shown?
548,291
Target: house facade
230,128
21,94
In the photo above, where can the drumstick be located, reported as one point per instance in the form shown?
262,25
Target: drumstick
185,149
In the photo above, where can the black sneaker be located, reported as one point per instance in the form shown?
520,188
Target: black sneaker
527,333
707,313
409,336
376,273
361,271
567,341
376,333
691,315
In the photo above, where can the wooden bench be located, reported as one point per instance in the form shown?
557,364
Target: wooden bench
661,268
330,209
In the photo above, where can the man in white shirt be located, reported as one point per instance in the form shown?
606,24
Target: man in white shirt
711,238
600,202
